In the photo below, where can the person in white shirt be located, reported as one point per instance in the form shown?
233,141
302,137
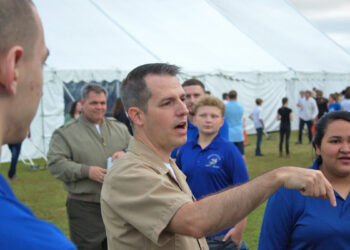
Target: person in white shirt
345,103
308,114
257,117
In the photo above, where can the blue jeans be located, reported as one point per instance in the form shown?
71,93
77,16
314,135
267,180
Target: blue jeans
258,140
216,243
15,151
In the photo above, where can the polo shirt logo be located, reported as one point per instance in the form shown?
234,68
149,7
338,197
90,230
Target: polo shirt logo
213,161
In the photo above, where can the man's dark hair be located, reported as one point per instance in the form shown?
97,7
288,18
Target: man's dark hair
193,82
258,101
224,96
232,95
18,26
347,94
92,88
284,100
134,91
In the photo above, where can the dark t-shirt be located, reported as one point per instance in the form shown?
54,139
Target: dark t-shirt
322,105
284,113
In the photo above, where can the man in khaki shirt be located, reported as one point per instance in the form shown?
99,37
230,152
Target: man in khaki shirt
146,203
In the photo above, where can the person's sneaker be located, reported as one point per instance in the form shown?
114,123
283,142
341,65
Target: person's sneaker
259,155
281,155
298,142
288,155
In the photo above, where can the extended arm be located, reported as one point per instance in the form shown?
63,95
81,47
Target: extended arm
236,203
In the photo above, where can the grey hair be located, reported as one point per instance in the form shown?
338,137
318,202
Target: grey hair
94,88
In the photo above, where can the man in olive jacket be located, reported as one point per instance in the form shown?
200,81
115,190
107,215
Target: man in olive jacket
79,154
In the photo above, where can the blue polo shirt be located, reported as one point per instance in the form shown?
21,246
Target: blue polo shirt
213,168
20,229
294,221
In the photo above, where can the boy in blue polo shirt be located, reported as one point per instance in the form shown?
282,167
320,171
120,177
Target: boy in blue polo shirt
212,163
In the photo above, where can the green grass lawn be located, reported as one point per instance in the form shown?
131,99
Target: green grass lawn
46,197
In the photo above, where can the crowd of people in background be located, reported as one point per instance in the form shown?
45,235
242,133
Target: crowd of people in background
127,192
311,106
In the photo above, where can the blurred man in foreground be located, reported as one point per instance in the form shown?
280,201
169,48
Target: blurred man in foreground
22,55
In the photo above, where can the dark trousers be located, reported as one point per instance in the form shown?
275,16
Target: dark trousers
15,151
284,132
216,243
301,128
258,140
86,227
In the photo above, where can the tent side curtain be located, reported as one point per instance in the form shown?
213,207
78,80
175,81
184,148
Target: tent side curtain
270,86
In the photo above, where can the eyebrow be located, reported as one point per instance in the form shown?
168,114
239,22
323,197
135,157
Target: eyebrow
334,136
166,99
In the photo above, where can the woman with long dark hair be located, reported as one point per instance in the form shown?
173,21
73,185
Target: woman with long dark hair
120,114
294,221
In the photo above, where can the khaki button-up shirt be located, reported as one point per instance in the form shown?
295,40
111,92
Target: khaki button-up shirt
139,198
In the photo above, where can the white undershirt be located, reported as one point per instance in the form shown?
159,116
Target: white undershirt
171,170
98,129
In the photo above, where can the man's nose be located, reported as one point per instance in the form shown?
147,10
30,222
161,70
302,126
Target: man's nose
182,109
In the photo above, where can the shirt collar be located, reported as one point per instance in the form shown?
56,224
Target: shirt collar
138,148
91,125
215,143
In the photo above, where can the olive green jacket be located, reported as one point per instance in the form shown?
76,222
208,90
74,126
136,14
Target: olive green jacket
76,146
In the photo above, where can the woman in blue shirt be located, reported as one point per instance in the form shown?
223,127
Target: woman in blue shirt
334,105
293,221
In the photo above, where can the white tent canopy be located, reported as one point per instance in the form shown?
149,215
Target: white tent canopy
261,48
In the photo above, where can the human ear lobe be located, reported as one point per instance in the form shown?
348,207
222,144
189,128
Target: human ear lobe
136,115
9,71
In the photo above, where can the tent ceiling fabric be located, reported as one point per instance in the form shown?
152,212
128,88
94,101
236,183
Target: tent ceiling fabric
198,35
191,34
284,33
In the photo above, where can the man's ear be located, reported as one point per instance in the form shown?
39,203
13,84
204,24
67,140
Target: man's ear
9,71
136,115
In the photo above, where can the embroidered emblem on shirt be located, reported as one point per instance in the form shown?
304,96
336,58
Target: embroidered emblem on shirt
213,161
